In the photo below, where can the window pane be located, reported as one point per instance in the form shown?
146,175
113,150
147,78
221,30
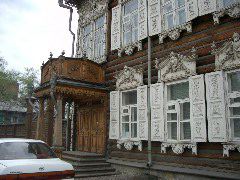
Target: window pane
182,16
125,130
185,130
87,30
134,130
179,91
235,81
129,97
127,38
168,8
186,111
172,116
100,22
130,6
172,130
169,21
134,114
236,127
125,118
180,3
235,100
234,111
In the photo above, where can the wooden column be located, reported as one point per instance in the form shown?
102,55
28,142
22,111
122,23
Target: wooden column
40,122
57,136
50,118
68,133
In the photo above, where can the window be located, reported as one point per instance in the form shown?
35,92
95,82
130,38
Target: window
234,103
130,22
87,48
99,37
93,39
178,112
174,13
129,114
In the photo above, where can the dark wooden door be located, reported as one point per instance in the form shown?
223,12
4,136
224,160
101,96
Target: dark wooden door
91,130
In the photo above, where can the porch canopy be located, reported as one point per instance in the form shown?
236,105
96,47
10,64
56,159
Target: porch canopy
64,79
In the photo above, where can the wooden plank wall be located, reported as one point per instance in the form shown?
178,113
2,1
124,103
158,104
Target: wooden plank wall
204,33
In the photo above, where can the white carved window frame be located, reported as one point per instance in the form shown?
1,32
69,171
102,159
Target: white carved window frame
231,95
128,48
178,111
129,113
92,23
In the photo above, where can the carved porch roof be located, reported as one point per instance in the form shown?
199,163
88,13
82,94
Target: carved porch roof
176,66
129,78
227,57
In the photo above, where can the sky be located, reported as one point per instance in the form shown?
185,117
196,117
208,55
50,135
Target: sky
31,29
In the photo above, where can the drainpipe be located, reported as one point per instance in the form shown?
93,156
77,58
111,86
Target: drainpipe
149,164
61,4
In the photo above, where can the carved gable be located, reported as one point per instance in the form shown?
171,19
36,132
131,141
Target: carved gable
90,10
227,57
129,78
176,66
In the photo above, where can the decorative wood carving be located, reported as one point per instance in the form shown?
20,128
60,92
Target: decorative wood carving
128,144
90,10
227,57
129,78
75,69
178,148
130,48
230,147
232,11
176,66
174,33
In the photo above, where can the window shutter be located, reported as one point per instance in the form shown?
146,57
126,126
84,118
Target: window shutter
154,17
157,114
198,108
116,28
142,112
217,126
191,9
206,6
142,19
114,115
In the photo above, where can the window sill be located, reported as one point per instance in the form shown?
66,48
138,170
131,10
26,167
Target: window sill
129,143
178,148
230,147
174,33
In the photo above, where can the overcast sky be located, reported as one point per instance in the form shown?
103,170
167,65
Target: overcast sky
30,29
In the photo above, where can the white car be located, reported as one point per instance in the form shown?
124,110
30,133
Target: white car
31,159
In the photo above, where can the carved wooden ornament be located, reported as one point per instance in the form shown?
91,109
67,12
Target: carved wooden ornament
129,78
176,66
228,56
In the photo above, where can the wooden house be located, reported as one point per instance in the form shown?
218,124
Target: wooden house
154,86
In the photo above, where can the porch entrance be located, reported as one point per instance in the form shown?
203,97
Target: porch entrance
91,129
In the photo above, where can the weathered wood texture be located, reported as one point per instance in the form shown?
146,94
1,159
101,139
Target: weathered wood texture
13,131
203,35
74,69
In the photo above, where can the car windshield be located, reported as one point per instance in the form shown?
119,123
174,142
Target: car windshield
25,150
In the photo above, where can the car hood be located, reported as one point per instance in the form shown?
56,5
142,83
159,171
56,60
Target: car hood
33,165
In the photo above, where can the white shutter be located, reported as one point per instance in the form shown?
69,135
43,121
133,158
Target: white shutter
191,9
142,112
116,28
154,17
142,19
157,114
114,115
206,6
198,108
216,105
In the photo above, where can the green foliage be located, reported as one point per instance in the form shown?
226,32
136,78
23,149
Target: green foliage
14,85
